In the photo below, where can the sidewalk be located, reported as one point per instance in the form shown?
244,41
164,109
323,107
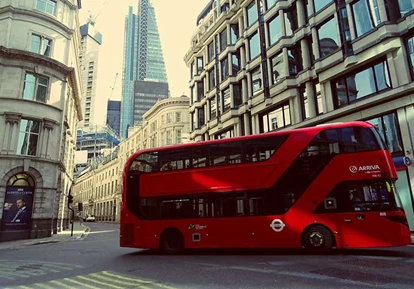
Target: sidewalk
80,231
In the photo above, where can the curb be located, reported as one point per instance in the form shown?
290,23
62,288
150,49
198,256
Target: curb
48,240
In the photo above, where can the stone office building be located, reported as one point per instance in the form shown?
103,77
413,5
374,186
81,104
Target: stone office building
40,92
263,65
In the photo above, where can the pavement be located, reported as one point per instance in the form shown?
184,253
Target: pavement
98,262
80,231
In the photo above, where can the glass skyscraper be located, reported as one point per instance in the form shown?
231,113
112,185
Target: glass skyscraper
143,58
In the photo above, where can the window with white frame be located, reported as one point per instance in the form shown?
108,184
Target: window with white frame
226,99
40,44
35,87
213,108
28,137
162,141
47,6
169,137
177,116
178,135
256,79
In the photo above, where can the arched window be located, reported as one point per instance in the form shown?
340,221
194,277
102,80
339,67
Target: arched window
21,180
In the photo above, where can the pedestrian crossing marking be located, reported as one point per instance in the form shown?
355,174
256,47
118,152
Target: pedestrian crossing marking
148,282
61,284
80,283
107,279
98,280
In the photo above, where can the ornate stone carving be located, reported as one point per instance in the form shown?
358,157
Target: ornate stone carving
48,123
12,117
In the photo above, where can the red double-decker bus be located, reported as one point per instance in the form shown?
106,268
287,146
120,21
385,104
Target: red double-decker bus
318,188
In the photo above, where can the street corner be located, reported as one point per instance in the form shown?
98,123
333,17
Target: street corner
77,232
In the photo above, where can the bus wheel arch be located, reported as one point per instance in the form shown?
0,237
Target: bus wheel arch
317,237
171,241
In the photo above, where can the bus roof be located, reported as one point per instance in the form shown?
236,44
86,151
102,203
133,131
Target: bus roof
312,129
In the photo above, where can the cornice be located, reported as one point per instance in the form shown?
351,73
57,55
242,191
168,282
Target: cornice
17,54
40,15
73,6
174,101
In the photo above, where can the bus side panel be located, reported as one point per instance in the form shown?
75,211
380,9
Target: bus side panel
209,179
357,232
253,175
238,232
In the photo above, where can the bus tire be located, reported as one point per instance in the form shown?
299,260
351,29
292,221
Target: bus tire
317,238
171,242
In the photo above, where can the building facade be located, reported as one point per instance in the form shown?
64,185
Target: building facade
113,115
94,140
91,40
99,188
99,191
263,65
146,94
143,57
40,96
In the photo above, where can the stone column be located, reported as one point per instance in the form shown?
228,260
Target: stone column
315,43
12,124
285,62
282,22
246,124
350,22
305,54
6,137
310,92
383,10
301,13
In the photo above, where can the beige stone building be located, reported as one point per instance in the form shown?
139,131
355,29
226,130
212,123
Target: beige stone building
99,189
263,65
40,92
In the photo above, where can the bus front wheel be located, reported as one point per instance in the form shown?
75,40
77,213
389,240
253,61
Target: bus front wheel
171,241
317,238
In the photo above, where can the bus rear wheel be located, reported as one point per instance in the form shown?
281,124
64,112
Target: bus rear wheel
171,242
317,238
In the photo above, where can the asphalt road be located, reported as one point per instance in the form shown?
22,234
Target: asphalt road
97,262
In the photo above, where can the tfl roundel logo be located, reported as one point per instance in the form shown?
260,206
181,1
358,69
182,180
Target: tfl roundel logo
353,169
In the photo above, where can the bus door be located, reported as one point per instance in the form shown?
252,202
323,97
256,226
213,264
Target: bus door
131,232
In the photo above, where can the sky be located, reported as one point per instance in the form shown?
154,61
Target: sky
176,24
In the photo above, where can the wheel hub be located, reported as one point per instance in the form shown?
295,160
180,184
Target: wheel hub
316,239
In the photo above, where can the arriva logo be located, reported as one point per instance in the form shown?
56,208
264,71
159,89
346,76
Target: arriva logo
355,169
